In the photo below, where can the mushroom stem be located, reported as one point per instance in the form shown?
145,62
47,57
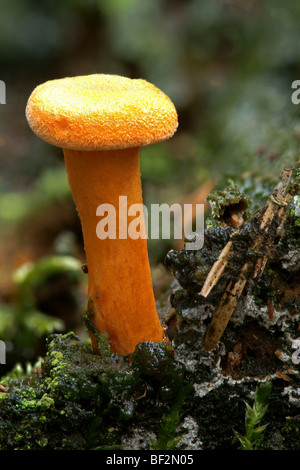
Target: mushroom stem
118,303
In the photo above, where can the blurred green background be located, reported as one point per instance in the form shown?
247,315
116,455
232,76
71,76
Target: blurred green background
227,65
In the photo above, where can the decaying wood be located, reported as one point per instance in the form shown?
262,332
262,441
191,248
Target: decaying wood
225,309
273,214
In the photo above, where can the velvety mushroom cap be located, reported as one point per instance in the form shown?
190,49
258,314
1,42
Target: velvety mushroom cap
100,112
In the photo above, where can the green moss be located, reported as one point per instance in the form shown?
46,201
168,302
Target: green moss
227,201
253,436
102,339
291,432
156,362
167,438
295,184
81,400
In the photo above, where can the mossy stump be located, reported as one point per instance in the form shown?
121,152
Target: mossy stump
179,393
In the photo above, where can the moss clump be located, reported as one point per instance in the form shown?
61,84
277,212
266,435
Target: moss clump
291,432
68,403
80,400
156,364
227,202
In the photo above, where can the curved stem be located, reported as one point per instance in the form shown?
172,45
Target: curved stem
121,299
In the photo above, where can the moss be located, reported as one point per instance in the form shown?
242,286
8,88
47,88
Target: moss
168,427
295,184
81,400
156,362
102,338
66,397
227,202
290,432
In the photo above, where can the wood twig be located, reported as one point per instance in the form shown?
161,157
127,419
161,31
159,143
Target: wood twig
217,270
225,309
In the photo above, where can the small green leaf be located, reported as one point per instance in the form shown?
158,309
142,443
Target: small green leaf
262,393
244,441
253,417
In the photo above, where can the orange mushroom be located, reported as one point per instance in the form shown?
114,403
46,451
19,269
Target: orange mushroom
100,122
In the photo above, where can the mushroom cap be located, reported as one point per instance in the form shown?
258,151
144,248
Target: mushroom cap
100,112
